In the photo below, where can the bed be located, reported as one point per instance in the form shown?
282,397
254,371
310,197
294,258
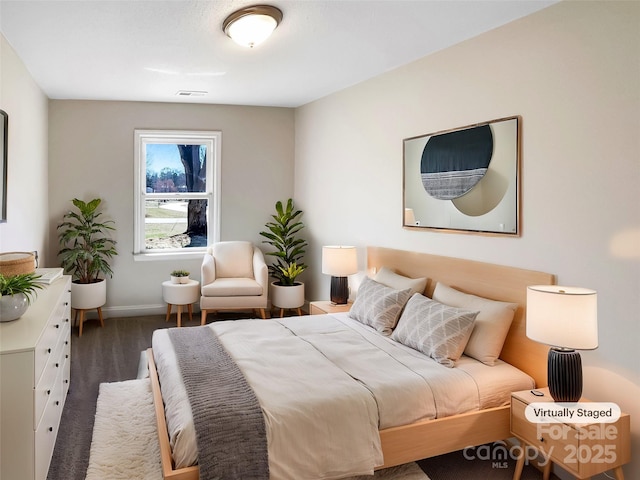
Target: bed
414,440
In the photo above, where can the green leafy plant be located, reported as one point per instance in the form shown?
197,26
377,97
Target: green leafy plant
25,283
282,235
86,247
179,273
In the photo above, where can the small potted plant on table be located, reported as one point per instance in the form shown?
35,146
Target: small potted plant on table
180,276
16,294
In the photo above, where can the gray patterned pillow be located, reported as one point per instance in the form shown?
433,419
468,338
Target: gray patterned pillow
434,329
378,305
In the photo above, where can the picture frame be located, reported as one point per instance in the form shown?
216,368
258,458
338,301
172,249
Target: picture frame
464,180
4,130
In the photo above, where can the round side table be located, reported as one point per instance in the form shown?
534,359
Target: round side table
180,294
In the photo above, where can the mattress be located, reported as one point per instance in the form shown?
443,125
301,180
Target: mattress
329,380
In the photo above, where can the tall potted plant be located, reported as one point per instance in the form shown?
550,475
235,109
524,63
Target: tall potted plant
85,252
282,234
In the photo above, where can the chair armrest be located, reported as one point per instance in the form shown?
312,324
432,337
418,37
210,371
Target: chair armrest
260,270
208,269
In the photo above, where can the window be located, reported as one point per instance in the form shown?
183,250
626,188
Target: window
177,192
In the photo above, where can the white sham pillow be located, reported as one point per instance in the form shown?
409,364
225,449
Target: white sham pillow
491,326
391,279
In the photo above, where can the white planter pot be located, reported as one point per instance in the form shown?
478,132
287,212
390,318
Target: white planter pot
287,297
179,279
12,307
87,296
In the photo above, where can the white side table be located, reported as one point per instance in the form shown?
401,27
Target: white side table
180,294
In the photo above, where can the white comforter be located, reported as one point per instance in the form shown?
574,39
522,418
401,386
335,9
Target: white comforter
326,384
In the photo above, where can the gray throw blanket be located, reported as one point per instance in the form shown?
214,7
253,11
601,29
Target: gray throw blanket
230,429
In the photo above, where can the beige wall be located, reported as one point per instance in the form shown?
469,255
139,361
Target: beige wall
572,72
26,105
91,155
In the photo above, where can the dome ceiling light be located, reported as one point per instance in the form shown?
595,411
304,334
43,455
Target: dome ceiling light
251,26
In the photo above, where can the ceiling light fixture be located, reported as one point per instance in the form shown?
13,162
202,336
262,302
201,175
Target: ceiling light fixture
251,26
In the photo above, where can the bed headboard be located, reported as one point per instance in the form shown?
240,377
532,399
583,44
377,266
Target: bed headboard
497,282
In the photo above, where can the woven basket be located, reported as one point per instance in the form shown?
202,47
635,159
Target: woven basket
15,263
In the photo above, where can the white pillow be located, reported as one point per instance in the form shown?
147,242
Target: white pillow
399,282
491,326
378,306
434,329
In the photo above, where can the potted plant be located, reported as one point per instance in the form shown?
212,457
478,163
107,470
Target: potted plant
180,276
86,249
16,294
282,234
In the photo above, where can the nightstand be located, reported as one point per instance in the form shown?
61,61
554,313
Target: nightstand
322,307
581,449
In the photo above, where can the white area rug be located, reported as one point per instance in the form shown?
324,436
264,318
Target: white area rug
125,443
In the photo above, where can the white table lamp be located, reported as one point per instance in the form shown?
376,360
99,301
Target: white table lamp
339,262
566,318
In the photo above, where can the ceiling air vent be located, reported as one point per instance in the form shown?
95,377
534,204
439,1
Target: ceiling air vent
191,93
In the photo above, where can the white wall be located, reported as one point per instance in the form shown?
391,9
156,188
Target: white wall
91,155
572,72
26,227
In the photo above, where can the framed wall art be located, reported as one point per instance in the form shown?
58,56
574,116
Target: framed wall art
4,129
464,179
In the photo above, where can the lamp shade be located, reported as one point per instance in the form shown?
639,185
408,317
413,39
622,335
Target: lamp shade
565,317
252,25
339,261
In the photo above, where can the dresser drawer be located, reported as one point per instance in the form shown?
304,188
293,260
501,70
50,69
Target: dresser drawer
55,364
45,435
51,335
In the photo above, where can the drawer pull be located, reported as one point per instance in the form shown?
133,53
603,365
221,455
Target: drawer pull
51,429
48,350
541,439
66,356
66,381
57,365
66,320
57,325
57,402
48,392
66,303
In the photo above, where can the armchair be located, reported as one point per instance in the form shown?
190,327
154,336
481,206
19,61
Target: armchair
234,276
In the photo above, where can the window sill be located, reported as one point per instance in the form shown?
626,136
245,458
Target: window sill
159,256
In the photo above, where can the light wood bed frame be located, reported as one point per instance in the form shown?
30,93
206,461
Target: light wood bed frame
429,438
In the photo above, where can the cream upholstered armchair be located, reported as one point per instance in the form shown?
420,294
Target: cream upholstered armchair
234,277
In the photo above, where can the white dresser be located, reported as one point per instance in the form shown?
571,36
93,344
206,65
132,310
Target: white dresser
34,379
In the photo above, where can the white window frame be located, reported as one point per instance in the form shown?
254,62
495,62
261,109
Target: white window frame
213,141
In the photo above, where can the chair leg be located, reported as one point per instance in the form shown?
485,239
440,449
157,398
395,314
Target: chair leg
203,317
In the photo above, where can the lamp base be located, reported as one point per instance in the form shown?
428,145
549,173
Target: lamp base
564,371
339,290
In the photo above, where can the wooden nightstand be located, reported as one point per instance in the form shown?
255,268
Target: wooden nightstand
322,307
582,450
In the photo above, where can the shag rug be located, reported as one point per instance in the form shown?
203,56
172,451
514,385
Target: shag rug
125,443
